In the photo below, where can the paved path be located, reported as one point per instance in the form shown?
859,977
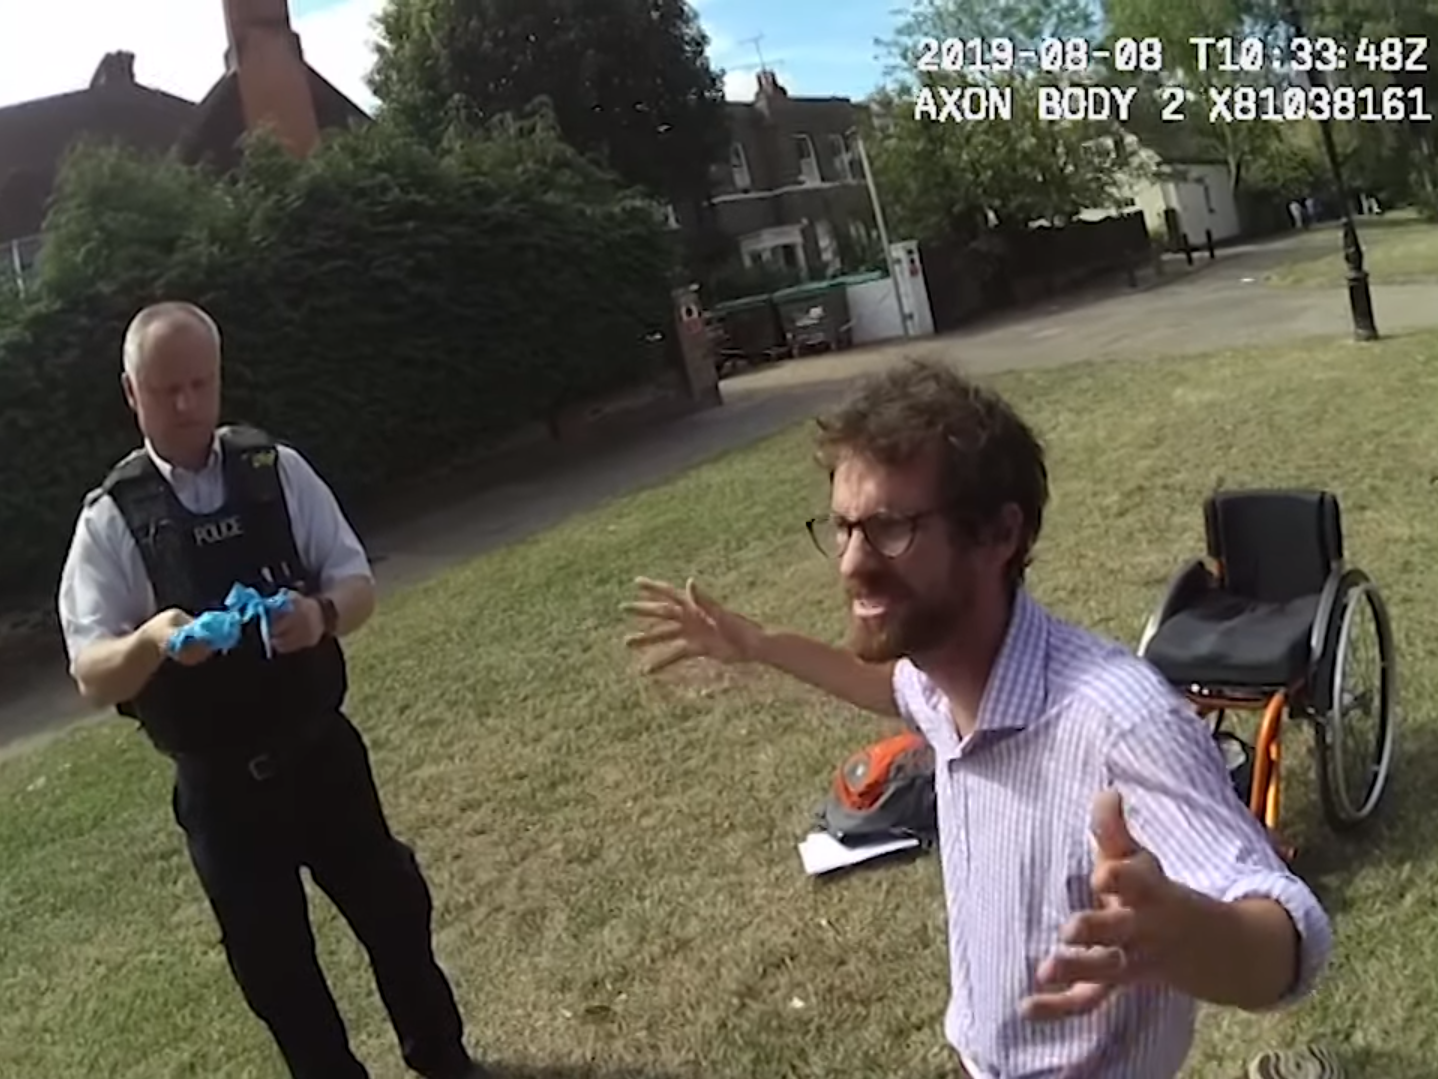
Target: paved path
1215,306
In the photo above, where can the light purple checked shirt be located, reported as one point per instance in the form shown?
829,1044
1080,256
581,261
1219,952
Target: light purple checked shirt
1067,714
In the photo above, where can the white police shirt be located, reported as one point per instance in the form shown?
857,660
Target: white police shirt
105,591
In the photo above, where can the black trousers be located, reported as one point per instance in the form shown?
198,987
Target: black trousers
249,832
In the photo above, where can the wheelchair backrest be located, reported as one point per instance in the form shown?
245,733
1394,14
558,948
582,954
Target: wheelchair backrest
1274,545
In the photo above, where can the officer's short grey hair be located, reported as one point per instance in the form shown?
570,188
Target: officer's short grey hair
136,332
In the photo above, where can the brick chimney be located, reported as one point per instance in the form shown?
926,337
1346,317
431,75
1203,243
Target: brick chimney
274,82
769,85
770,91
116,69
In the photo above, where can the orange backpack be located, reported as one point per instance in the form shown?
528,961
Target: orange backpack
884,791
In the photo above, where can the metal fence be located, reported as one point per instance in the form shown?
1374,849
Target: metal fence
970,278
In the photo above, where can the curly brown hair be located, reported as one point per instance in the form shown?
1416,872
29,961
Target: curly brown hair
989,457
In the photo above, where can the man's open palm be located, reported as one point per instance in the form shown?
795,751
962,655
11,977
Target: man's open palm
689,624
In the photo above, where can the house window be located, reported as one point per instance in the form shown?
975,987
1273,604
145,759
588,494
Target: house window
20,259
808,160
777,247
739,167
828,247
843,162
787,256
863,236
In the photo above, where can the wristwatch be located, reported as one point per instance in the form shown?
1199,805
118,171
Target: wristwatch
329,614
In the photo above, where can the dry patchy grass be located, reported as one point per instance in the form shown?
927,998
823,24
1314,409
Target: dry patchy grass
613,859
1398,248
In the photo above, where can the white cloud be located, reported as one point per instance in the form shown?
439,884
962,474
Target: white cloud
739,85
179,45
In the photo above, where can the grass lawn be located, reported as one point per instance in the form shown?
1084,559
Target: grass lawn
617,887
1398,248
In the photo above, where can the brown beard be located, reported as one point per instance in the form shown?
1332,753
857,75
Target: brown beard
915,624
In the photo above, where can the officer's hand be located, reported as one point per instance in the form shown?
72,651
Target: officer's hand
163,626
299,628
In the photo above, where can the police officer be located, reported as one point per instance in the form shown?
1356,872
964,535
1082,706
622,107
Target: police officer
270,775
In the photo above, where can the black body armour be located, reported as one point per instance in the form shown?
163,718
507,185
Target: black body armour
242,701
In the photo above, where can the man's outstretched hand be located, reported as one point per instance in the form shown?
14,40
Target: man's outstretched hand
687,624
1129,937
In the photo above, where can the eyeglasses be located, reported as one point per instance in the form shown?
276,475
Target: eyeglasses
889,534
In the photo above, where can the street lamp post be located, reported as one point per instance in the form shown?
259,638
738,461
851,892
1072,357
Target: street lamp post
883,230
1360,299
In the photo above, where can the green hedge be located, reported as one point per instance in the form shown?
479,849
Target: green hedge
383,307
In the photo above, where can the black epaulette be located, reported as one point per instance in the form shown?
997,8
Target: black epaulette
242,436
134,465
252,461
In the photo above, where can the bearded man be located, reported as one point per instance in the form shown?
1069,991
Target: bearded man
1101,876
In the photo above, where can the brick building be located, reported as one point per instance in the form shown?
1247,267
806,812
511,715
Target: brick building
792,193
266,82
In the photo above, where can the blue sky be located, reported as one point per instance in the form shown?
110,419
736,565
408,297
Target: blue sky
818,47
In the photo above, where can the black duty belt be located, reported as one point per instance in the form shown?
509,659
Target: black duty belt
260,764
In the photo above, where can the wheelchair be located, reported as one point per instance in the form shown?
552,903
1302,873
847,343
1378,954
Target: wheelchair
1276,621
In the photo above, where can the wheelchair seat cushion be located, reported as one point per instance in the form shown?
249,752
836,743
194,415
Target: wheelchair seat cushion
1225,641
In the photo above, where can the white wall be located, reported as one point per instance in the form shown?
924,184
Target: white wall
1183,192
1218,212
874,309
874,312
1149,199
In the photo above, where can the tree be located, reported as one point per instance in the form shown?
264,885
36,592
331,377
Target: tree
946,179
1006,169
1024,22
114,218
627,81
1385,156
444,298
1176,23
1404,155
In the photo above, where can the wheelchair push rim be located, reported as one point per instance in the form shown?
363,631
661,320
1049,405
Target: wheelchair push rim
1355,739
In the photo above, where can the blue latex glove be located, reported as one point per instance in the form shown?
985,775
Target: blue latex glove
221,630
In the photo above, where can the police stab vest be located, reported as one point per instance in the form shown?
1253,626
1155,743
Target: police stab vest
243,701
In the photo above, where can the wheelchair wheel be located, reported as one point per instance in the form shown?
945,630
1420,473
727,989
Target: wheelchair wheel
1355,739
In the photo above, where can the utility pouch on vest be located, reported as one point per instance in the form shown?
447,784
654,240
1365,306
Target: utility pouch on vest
252,474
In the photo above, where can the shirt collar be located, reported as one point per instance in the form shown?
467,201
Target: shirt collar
1017,690
170,471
